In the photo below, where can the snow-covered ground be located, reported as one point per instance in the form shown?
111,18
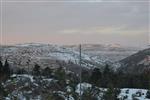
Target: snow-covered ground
130,93
45,54
23,86
126,93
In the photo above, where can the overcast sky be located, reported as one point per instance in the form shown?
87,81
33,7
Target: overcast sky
95,21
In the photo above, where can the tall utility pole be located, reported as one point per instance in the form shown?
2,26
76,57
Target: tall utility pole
28,63
80,61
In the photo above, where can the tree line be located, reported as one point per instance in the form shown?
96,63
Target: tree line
119,79
98,77
106,78
5,70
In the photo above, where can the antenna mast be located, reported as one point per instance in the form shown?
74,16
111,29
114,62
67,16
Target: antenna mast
80,59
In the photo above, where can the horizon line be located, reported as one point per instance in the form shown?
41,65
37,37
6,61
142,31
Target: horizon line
41,43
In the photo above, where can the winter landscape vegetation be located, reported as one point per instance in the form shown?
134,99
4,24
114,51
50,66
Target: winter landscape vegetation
50,72
74,50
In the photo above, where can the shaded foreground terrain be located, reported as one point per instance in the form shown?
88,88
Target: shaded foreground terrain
62,84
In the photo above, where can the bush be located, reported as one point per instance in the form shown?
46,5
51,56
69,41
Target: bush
148,94
111,93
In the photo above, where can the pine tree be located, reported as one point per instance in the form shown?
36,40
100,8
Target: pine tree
148,94
85,76
1,66
47,72
107,76
88,95
60,73
6,68
54,96
111,93
107,70
96,76
1,71
61,76
36,70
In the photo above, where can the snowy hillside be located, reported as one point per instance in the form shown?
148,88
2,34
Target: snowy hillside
111,52
45,54
137,62
28,54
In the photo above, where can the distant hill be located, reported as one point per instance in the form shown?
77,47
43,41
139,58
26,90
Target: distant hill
112,52
137,62
93,55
